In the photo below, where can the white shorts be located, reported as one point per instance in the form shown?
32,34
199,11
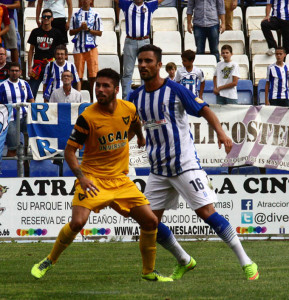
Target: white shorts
194,186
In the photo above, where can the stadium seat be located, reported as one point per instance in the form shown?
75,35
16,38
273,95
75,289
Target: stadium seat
169,41
237,18
261,91
245,92
85,96
165,19
107,16
216,170
276,171
109,61
254,17
235,39
190,43
257,42
177,59
66,169
43,168
245,170
287,59
103,3
207,63
208,94
107,43
259,66
8,168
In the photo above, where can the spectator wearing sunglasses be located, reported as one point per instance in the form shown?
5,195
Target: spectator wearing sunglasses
43,41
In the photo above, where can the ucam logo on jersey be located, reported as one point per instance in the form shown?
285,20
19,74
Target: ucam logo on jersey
246,204
246,217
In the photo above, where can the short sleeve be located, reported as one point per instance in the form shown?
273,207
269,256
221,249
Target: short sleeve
236,71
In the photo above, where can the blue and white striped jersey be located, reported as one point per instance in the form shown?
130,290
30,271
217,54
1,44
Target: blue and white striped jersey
278,78
169,141
280,9
84,41
138,18
15,92
54,72
190,80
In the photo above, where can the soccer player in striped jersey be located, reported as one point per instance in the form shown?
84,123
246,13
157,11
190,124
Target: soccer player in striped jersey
279,20
190,75
53,71
277,82
105,128
163,106
138,16
15,90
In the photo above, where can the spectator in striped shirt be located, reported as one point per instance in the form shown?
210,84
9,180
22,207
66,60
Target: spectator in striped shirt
4,66
86,26
190,75
276,89
279,20
53,71
138,24
15,90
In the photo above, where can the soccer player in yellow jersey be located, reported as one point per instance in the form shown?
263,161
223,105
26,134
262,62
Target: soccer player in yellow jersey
105,128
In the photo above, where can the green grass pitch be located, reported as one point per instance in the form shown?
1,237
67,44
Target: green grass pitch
112,271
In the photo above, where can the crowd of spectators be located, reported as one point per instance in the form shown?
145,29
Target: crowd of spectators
62,80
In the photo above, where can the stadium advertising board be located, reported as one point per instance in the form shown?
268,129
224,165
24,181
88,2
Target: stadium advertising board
260,134
260,137
39,207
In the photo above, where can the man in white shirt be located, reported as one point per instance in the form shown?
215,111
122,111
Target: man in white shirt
226,78
15,90
66,94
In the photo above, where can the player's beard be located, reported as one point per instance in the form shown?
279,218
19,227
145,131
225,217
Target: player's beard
108,100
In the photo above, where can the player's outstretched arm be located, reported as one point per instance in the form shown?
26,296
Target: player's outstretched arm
85,183
135,129
213,120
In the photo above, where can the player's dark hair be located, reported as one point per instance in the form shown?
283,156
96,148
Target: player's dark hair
281,48
14,64
109,73
47,10
61,47
189,55
227,47
171,66
156,50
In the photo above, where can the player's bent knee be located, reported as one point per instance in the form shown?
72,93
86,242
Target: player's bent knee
77,225
150,223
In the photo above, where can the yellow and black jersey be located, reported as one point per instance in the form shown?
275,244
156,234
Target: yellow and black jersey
105,136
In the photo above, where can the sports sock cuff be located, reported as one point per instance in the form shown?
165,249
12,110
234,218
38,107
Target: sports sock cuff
67,230
163,232
149,231
217,222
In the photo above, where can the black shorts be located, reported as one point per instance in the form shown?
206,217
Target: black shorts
59,23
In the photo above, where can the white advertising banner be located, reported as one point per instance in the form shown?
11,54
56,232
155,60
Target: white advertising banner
39,207
260,137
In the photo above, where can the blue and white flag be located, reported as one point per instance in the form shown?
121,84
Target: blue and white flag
5,114
49,126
